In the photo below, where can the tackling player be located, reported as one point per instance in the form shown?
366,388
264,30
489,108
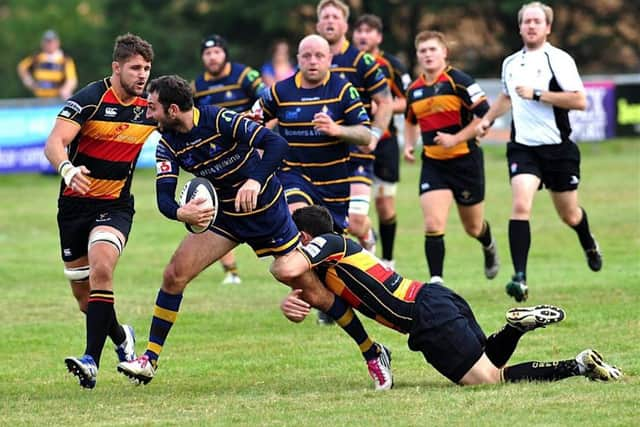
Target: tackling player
440,323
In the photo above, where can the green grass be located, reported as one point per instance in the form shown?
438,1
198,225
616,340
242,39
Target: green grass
232,359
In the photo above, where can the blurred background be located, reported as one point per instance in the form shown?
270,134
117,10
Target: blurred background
601,35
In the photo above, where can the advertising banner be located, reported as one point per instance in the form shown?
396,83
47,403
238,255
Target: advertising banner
598,121
23,132
628,114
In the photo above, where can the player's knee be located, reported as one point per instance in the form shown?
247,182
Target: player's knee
520,211
474,229
173,281
571,218
101,272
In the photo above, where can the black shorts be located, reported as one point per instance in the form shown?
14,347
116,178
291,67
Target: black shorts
386,166
464,176
446,332
76,219
557,165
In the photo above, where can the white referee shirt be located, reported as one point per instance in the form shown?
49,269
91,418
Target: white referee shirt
547,69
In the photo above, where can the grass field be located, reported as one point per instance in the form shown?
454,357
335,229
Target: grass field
232,359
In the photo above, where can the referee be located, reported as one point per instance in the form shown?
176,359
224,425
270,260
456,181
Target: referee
540,84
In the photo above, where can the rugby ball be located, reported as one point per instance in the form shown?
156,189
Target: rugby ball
199,188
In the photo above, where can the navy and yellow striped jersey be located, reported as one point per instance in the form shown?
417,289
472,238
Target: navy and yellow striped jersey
238,88
398,80
362,70
109,141
362,281
222,147
49,72
446,104
320,158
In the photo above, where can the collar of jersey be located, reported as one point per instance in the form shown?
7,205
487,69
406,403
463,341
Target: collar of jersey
545,47
298,79
196,116
344,47
225,73
437,79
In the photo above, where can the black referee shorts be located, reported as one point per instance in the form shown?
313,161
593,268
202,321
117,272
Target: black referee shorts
557,165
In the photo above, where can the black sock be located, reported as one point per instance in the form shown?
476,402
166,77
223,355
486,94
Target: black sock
519,244
345,317
100,315
584,234
116,332
434,251
541,371
501,345
485,237
387,237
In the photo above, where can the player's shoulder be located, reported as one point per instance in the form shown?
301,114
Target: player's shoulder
459,76
394,61
511,58
555,53
92,93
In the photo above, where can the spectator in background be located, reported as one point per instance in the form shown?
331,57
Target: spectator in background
49,73
280,66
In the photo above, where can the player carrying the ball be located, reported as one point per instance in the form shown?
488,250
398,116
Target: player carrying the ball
222,146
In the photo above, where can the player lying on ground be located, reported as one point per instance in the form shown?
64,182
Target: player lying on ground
439,322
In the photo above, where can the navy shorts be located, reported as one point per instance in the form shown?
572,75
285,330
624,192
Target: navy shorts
360,167
76,219
446,331
463,175
333,196
386,166
269,230
557,165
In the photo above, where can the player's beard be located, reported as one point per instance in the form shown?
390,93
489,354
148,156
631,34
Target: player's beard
130,88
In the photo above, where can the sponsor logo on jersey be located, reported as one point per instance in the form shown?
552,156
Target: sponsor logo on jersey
163,166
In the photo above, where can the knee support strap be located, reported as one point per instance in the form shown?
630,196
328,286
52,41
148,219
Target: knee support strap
106,237
77,274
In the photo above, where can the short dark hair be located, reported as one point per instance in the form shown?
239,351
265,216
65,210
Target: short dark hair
315,220
370,20
172,90
128,45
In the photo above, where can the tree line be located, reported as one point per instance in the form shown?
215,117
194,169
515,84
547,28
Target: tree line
601,35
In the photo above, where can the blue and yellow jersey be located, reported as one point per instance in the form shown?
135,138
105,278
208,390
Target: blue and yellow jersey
446,104
359,278
49,72
364,73
109,141
222,147
320,158
238,88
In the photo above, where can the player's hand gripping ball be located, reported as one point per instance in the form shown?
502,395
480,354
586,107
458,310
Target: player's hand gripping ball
199,188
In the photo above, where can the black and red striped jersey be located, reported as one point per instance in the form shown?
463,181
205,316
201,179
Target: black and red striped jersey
109,141
362,280
446,104
398,80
